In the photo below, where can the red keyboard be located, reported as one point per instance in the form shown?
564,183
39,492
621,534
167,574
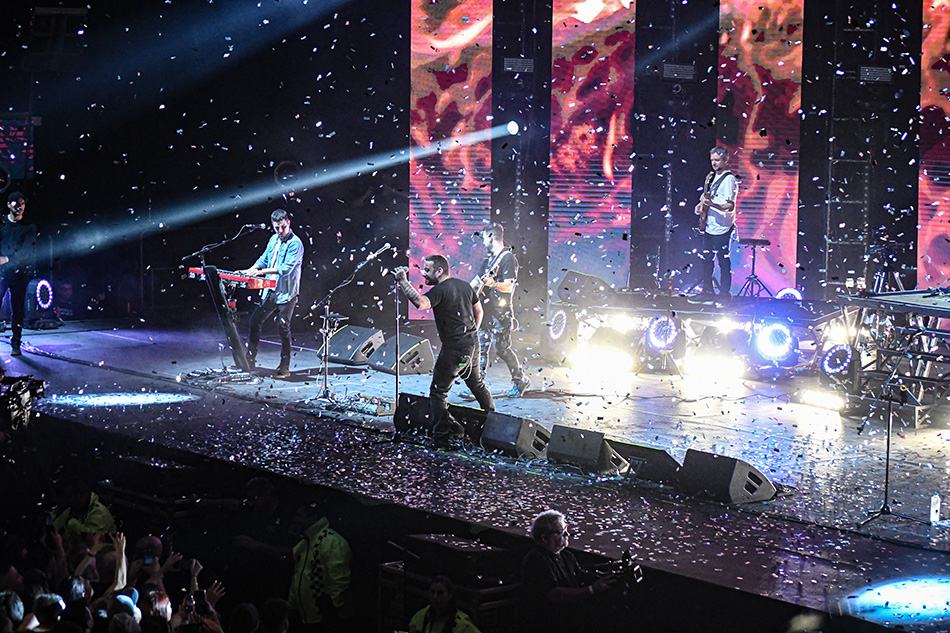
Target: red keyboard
241,281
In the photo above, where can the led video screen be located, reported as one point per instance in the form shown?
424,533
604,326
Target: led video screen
450,191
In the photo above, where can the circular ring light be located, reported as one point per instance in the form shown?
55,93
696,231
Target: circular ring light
789,293
661,333
774,342
837,359
558,325
44,295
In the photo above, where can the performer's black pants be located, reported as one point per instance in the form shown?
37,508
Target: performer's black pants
496,330
285,312
16,283
717,246
456,358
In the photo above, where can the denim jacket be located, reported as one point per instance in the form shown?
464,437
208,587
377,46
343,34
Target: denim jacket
288,265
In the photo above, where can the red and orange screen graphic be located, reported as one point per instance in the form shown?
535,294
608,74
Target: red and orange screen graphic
450,191
933,233
760,59
591,104
760,80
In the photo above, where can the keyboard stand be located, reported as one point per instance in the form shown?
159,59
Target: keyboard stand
228,317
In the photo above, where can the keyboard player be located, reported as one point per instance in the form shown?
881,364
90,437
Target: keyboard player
281,260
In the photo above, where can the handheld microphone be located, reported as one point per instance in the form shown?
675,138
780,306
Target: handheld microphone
385,248
256,226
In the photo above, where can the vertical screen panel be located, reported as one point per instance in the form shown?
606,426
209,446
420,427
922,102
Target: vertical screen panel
933,234
16,147
591,102
451,95
760,75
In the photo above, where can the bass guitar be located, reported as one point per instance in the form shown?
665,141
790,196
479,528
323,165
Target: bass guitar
702,208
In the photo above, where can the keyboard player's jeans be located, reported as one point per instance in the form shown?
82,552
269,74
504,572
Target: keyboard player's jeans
285,312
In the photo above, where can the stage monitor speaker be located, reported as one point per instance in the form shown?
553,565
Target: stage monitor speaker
587,449
725,479
415,356
353,345
518,437
646,462
584,290
413,412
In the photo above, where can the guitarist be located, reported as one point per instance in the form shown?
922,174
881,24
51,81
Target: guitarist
717,212
498,276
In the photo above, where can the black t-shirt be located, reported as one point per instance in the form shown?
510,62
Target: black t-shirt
541,572
495,302
17,242
453,305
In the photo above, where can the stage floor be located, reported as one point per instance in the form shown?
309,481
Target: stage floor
806,548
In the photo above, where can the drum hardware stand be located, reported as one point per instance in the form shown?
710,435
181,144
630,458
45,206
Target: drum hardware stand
906,397
331,325
753,286
887,278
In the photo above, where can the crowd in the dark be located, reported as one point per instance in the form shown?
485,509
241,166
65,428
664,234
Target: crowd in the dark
66,566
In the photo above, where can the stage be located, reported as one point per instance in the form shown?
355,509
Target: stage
805,547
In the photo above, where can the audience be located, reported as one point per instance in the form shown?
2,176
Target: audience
442,615
275,616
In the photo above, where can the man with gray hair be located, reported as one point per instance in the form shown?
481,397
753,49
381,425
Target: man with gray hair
552,582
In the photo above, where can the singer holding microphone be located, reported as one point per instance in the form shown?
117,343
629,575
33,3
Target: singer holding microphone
458,314
281,260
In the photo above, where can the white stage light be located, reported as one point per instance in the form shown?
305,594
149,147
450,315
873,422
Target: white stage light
789,293
513,128
902,603
775,343
823,399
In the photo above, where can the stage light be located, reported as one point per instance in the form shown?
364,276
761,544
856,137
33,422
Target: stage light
97,237
837,359
823,399
608,352
714,366
789,293
598,363
557,325
513,128
661,334
775,343
44,294
624,323
120,399
902,602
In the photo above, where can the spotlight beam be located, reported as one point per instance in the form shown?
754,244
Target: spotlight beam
94,238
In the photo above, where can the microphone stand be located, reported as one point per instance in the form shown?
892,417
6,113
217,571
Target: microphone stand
327,317
398,352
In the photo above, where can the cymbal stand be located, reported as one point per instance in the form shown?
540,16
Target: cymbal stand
328,329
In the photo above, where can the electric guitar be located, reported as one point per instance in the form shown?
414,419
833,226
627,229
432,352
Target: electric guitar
478,284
